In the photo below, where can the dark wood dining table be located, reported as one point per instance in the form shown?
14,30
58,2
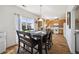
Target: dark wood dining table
39,35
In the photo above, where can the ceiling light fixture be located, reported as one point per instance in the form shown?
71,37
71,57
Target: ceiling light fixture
40,19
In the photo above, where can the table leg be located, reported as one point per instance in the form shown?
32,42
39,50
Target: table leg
40,46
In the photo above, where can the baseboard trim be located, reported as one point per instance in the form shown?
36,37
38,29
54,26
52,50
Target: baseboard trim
12,46
9,47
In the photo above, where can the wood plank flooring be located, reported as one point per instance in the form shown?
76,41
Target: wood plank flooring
59,46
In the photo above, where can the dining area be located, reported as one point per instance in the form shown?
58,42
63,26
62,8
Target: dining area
34,42
27,33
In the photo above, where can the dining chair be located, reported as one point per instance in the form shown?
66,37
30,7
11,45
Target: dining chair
28,41
45,40
50,43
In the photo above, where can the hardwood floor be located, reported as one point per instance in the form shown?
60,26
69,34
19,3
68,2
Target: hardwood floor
59,46
11,50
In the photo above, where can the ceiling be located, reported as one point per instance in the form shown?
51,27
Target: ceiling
47,11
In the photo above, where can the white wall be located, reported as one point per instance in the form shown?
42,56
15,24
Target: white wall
8,21
77,29
70,31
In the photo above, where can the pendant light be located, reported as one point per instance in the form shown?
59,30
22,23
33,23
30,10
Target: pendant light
40,19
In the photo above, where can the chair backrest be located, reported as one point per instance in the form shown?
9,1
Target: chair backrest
49,33
45,38
24,36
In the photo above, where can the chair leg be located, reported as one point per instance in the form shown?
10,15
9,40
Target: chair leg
18,50
32,50
46,49
18,47
24,45
48,44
